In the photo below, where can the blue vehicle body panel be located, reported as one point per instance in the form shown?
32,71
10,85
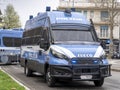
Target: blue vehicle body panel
78,51
18,33
61,17
56,17
81,49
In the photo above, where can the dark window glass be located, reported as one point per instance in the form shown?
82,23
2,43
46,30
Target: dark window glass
72,35
104,15
104,31
32,37
12,41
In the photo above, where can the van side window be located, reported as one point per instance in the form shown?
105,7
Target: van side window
32,37
44,43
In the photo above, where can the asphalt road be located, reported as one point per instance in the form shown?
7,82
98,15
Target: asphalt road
36,82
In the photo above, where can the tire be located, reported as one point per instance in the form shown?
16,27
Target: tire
5,60
49,80
28,72
99,83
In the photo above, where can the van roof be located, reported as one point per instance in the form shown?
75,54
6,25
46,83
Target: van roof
11,32
57,17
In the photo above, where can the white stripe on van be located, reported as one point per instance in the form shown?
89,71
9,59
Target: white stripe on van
99,52
64,51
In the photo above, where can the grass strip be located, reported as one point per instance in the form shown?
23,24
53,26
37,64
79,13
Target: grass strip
7,83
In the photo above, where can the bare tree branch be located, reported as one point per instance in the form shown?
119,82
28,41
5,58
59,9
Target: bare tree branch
113,8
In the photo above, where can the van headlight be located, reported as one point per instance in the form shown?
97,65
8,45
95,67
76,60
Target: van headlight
103,59
59,55
103,56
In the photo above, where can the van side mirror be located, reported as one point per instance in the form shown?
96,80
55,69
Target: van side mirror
40,52
102,43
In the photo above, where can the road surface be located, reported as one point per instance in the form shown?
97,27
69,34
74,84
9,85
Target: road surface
36,82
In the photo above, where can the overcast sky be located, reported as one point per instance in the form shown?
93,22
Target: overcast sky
24,8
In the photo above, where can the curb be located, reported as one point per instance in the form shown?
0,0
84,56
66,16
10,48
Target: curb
114,69
26,88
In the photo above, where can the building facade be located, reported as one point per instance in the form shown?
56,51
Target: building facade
98,15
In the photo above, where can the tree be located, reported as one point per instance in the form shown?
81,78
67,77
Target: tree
11,18
1,24
113,8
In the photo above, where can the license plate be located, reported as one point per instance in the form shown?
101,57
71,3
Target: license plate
86,77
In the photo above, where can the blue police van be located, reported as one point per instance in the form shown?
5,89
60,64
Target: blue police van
10,42
63,45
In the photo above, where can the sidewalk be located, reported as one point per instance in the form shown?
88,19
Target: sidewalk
115,64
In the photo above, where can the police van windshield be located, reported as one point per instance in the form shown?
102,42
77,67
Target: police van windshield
72,35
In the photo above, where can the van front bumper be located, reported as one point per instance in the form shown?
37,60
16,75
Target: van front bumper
80,72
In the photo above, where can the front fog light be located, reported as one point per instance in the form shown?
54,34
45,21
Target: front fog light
60,72
11,53
95,61
74,62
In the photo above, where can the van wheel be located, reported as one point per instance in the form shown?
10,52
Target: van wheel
5,60
50,80
28,72
99,83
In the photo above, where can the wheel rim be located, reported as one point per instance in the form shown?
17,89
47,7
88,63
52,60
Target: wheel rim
4,59
26,71
48,78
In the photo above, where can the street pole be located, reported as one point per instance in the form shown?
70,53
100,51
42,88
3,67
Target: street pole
119,31
73,4
119,38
